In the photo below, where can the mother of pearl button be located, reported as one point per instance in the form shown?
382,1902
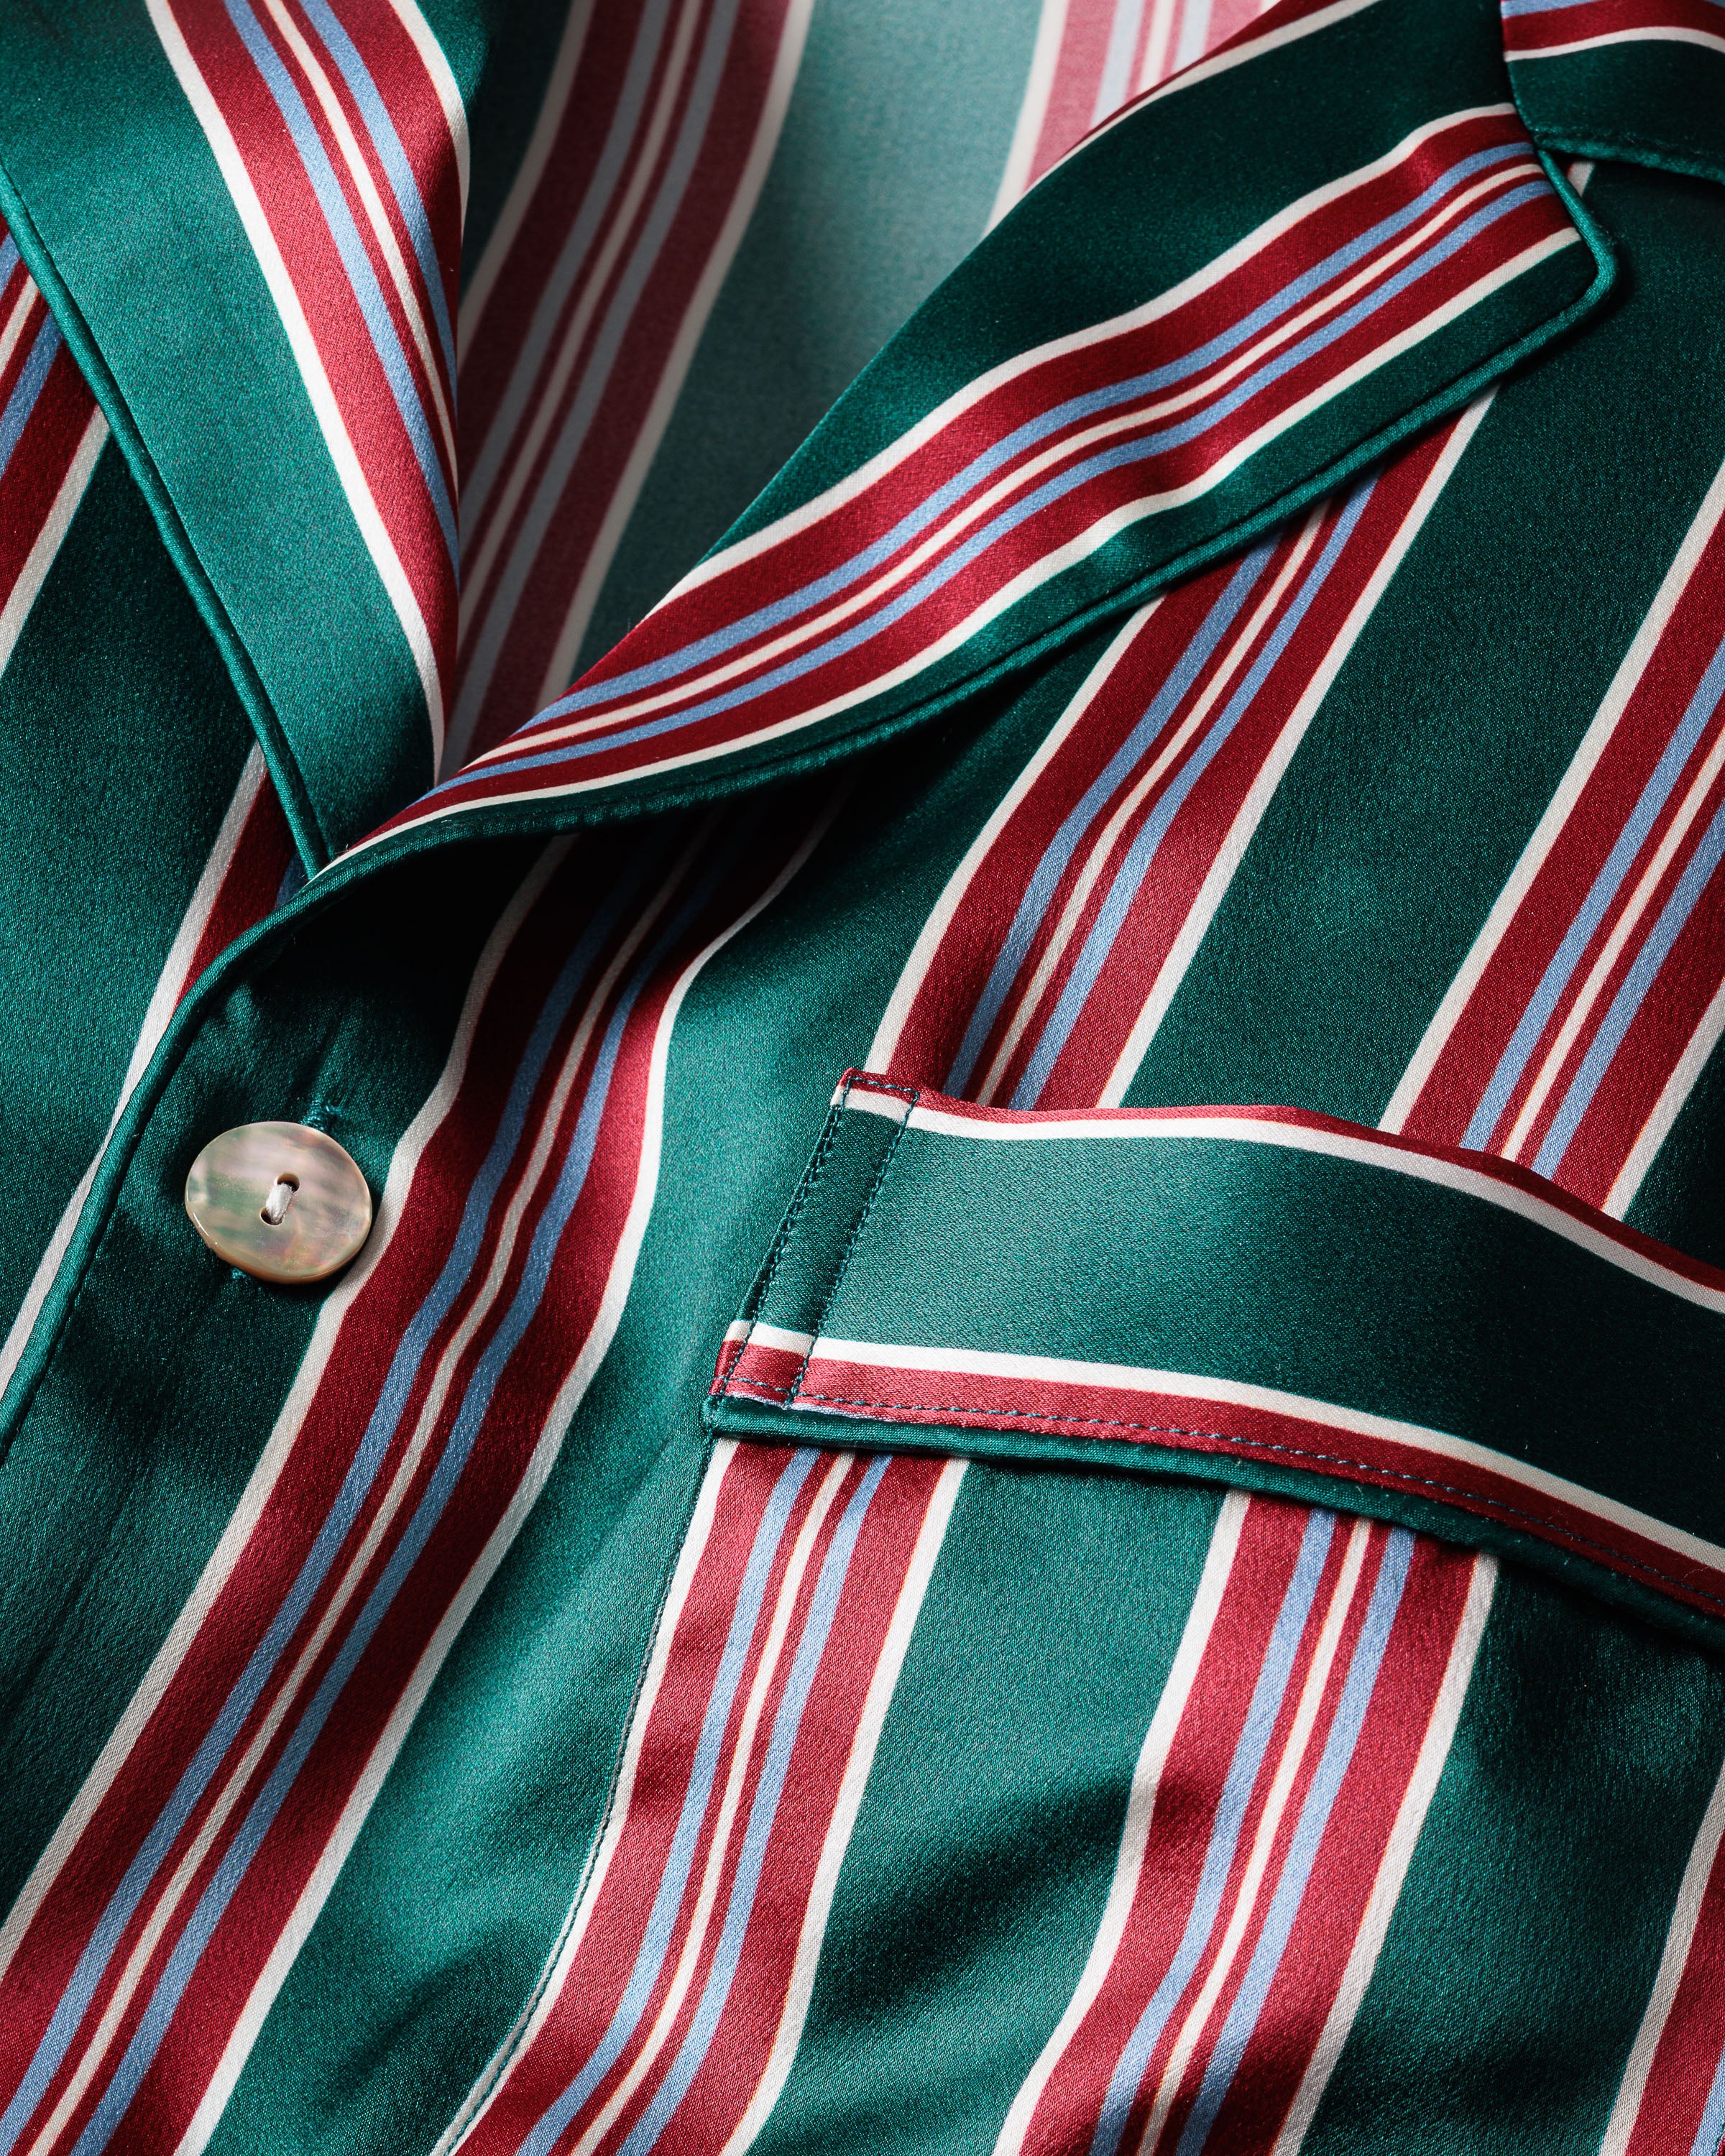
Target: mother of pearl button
279,1200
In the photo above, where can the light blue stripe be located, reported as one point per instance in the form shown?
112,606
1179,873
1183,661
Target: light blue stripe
362,278
182,1962
1513,8
1025,437
1039,897
1711,2132
961,558
9,259
1130,876
1254,1742
1630,995
1606,885
673,1880
356,1484
1308,1836
817,1627
393,158
589,394
27,389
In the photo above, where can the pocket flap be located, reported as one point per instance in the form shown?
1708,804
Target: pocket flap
1259,1296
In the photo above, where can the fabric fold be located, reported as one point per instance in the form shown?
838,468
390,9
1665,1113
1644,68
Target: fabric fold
1259,1296
251,243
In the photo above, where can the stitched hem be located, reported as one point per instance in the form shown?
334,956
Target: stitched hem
782,1396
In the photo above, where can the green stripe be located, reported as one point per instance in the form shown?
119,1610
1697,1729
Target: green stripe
121,742
1655,102
983,1854
891,153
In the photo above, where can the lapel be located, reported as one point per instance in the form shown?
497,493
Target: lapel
1259,277
255,266
1255,280
1642,81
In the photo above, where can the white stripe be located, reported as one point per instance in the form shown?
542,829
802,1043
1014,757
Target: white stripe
1324,1416
719,1845
1270,41
718,1851
1032,110
533,2016
680,355
800,1988
1660,37
1673,1962
1159,43
911,981
1338,1145
770,1336
1114,87
1141,1806
522,445
243,1524
1194,32
528,173
50,539
377,217
1560,808
527,1494
349,474
237,1774
22,308
1634,909
1232,850
962,401
1398,1854
171,984
1063,449
1676,1089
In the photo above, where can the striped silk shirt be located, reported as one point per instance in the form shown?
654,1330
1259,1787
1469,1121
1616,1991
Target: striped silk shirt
978,751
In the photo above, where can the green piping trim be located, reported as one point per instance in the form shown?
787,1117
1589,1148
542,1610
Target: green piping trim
329,886
519,819
314,842
1649,151
755,1423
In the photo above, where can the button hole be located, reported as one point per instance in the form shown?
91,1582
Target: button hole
281,1196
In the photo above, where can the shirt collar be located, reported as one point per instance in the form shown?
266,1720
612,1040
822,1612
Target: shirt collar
1640,80
288,421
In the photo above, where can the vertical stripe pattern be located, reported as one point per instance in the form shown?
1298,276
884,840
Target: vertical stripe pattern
138,1963
1091,56
343,147
1268,1811
657,128
683,1972
1672,2095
